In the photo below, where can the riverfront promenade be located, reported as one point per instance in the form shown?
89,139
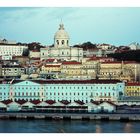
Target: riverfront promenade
69,116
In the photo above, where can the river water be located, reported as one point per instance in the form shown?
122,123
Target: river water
71,126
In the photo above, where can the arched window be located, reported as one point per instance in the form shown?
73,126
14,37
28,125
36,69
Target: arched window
67,42
57,41
62,42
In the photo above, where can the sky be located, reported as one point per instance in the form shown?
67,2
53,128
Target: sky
116,26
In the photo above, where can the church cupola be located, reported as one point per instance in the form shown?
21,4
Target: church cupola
61,37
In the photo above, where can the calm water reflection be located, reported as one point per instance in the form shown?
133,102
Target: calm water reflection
50,126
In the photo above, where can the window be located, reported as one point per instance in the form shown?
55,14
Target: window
62,42
57,41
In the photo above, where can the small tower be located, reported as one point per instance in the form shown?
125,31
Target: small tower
61,38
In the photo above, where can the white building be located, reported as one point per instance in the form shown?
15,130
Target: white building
13,49
61,49
134,46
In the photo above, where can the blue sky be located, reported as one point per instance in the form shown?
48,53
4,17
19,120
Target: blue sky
116,26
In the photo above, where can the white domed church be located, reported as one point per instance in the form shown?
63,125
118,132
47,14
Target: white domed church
61,49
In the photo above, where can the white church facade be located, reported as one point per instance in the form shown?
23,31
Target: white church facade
61,49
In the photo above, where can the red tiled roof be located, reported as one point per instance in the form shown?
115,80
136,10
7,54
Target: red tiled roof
35,58
65,102
52,65
7,102
21,102
92,81
112,62
35,102
133,84
79,102
71,63
49,60
35,51
50,102
95,102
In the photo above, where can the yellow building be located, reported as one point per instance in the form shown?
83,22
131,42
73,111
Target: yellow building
110,70
132,89
89,68
126,70
72,69
45,69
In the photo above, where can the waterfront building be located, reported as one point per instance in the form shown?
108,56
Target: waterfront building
61,49
107,107
132,89
58,90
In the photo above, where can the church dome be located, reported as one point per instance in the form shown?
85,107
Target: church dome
61,33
